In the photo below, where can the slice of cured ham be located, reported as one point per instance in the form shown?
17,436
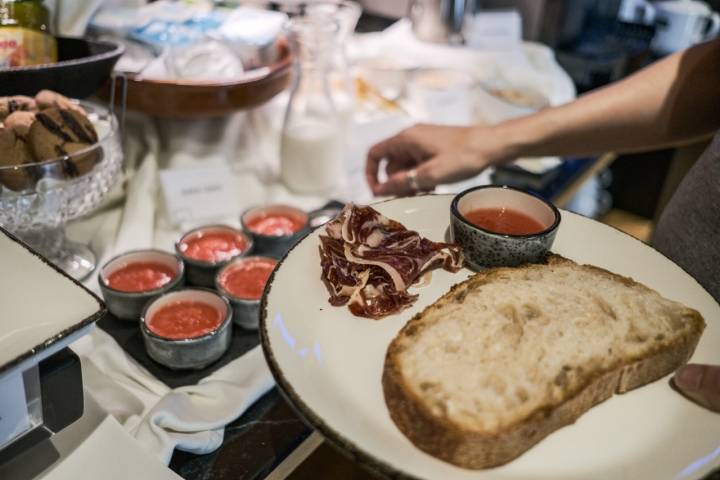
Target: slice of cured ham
369,261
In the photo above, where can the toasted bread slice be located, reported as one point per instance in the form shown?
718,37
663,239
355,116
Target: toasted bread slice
512,354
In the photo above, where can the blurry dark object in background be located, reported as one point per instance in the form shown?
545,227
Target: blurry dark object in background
83,67
520,178
638,181
592,44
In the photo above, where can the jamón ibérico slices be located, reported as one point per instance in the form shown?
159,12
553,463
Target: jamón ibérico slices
369,261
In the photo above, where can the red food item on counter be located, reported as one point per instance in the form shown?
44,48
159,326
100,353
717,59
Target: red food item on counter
213,245
504,220
184,319
140,277
247,278
369,261
275,224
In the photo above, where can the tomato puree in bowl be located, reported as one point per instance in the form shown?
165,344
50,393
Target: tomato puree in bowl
274,224
213,245
140,277
246,278
506,221
184,319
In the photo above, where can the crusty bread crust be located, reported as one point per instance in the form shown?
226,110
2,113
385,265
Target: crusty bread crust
466,448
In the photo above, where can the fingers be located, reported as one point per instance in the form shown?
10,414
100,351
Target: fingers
701,383
372,164
401,154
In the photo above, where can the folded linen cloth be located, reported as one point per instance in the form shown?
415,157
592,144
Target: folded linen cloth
190,418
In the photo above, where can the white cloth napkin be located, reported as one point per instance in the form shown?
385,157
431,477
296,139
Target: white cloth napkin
190,418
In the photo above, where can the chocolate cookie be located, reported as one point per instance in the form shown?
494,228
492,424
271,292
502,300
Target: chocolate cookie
49,99
14,153
58,133
18,103
20,123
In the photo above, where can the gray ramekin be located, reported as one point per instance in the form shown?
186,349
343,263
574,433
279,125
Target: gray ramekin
485,248
275,246
130,305
200,273
246,312
190,353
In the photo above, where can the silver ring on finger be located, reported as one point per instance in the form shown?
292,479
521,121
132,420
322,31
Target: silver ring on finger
413,180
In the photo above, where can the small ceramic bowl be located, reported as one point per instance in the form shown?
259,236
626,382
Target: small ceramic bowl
128,305
246,308
487,248
256,222
192,352
202,269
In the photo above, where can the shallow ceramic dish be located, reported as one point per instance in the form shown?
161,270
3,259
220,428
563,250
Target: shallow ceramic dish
188,353
83,67
188,99
329,364
129,305
487,248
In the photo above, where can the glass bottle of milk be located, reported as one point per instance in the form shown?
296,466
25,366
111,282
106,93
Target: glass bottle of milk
312,136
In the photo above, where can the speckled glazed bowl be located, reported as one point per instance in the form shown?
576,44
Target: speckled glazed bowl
194,352
486,248
246,311
275,245
202,273
129,305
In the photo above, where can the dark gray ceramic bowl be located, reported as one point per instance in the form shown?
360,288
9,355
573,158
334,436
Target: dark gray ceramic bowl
202,273
246,312
189,353
130,305
485,248
275,246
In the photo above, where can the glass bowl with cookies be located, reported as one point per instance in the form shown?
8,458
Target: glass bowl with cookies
59,158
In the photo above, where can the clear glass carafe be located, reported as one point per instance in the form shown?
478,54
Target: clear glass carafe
342,84
313,136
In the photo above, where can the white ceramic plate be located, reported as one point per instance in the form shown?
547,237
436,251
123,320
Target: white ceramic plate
41,308
329,363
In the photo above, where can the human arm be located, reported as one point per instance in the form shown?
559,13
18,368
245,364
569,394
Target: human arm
673,101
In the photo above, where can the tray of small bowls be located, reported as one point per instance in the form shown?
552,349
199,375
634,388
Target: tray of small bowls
184,314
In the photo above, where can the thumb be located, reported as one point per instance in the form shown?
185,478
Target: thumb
700,383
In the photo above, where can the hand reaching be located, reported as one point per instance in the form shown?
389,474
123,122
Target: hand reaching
432,154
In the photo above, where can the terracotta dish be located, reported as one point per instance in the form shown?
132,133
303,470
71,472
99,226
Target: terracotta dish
193,99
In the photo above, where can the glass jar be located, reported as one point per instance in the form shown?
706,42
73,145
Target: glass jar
313,134
25,37
342,84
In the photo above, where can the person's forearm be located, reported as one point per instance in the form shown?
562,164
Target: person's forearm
673,101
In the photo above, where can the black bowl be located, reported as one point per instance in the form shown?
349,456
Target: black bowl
83,67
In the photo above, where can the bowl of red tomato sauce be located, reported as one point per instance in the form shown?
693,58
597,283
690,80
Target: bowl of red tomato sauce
275,228
188,328
502,226
243,282
205,250
131,280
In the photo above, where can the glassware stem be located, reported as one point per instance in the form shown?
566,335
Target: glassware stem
76,259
